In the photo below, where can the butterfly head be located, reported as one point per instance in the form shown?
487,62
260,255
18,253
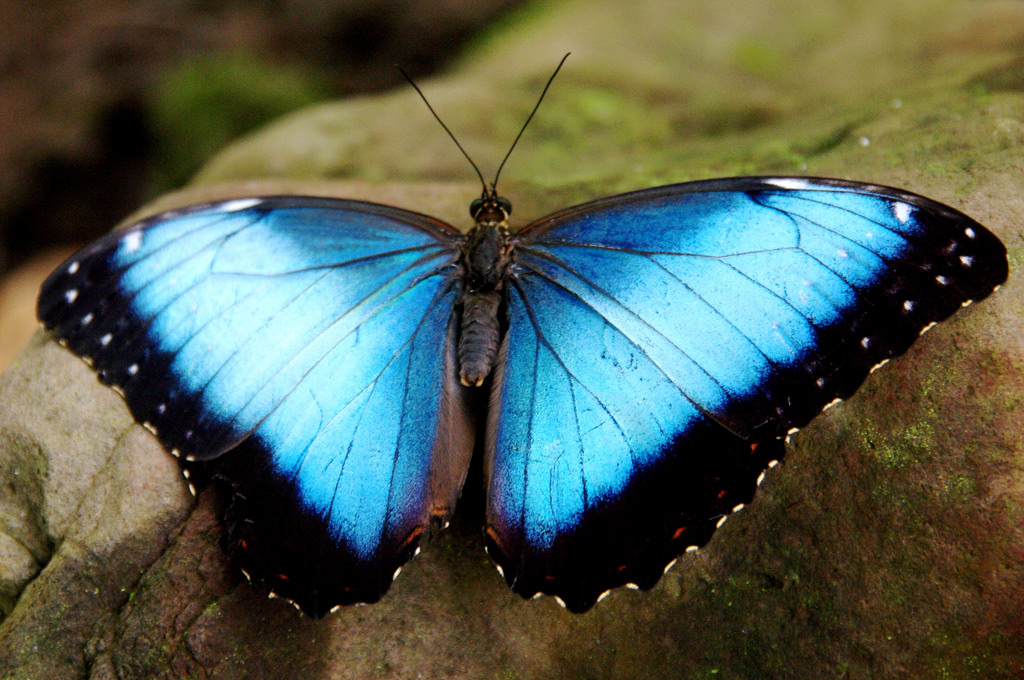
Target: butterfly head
486,249
490,209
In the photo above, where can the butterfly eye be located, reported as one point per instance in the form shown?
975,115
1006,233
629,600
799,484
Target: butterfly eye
475,207
505,205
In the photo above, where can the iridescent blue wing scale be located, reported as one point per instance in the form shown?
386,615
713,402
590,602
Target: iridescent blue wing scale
661,345
312,339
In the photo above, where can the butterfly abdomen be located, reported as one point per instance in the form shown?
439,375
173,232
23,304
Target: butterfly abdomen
479,336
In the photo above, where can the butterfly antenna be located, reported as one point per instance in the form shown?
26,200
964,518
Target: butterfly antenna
528,119
438,119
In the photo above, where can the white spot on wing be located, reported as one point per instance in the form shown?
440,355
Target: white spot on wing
105,340
132,241
71,295
966,260
908,305
901,211
133,369
865,342
789,183
87,319
240,204
73,267
969,233
942,280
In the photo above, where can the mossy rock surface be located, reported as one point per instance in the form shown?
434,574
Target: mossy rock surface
889,543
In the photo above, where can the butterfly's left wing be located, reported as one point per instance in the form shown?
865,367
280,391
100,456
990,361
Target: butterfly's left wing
305,346
661,344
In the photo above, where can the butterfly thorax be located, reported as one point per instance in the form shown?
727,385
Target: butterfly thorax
486,256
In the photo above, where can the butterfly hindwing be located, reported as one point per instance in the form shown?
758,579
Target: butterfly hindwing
662,343
314,335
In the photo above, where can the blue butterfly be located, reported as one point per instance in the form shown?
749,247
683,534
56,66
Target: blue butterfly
645,355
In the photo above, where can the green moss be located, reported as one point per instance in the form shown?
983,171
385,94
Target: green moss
756,57
737,118
961,488
828,141
204,103
898,450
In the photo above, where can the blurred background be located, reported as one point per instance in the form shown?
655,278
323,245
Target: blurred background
105,104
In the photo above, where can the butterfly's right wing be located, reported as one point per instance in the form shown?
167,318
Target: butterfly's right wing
313,340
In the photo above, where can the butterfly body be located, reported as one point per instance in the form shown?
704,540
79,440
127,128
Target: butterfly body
486,258
648,355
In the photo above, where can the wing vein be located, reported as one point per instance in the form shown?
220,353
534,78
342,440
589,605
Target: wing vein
543,339
621,332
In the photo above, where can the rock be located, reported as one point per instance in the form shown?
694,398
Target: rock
887,545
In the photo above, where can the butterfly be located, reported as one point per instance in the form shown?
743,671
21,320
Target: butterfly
629,367
646,357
